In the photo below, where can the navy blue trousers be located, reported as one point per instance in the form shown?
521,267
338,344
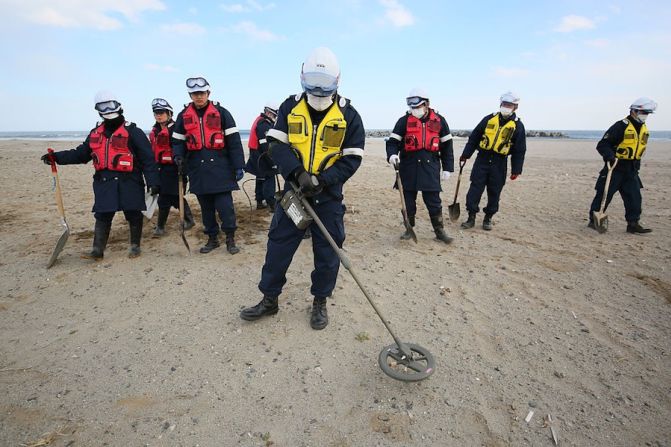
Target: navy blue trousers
265,189
131,216
220,203
628,185
284,239
431,200
489,172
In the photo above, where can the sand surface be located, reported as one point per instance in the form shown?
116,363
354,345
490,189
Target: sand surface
541,314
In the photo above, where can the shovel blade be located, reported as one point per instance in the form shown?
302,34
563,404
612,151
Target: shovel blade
59,247
600,221
181,233
454,211
151,202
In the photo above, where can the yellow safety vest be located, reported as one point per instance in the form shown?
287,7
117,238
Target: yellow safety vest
497,137
318,147
633,143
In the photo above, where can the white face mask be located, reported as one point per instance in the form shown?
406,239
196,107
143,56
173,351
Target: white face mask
110,116
506,111
319,103
641,118
418,112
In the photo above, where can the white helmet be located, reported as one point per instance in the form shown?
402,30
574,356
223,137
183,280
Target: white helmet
416,97
510,97
644,104
106,102
197,84
320,73
160,104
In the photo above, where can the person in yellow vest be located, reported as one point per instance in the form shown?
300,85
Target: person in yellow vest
626,141
317,144
498,136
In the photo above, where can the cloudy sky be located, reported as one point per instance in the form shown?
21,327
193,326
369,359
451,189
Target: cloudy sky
575,64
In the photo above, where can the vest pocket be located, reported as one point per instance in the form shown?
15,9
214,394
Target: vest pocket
217,140
212,121
333,136
122,162
297,129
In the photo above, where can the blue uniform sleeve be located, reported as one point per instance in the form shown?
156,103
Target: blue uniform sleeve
141,147
607,146
352,151
178,137
446,146
232,138
395,140
475,137
79,155
518,149
262,129
278,141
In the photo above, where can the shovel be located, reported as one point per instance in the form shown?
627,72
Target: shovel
600,218
454,210
151,201
406,222
407,362
180,185
61,211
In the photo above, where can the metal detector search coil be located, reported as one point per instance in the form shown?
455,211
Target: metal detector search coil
293,207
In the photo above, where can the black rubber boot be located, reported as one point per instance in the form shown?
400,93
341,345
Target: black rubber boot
261,205
487,222
438,228
212,243
135,237
267,306
319,318
230,244
636,228
159,230
470,222
592,225
405,236
307,234
188,217
101,233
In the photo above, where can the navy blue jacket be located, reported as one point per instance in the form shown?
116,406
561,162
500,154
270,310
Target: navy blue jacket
167,172
518,147
612,139
211,171
344,167
113,190
259,163
420,170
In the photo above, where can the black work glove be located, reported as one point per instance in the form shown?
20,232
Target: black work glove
609,159
310,185
46,158
154,190
463,158
178,159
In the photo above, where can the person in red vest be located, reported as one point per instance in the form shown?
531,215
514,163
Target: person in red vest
121,156
207,141
160,136
419,144
259,163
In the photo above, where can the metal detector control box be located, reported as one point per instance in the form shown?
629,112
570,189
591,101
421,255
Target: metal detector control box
293,208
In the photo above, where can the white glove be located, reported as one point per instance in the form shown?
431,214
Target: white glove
444,175
394,160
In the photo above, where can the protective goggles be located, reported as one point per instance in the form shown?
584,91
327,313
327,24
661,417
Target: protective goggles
108,106
319,84
159,103
197,82
415,101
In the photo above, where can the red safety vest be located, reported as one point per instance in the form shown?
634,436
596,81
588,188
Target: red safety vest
203,132
423,135
253,137
111,153
160,144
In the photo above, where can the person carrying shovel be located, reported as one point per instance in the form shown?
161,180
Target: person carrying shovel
497,136
418,146
121,155
622,148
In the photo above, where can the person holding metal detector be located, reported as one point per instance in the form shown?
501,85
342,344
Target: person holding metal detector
622,148
419,144
160,136
206,140
259,163
317,144
121,155
497,136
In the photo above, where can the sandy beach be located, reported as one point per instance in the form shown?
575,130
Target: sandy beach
539,315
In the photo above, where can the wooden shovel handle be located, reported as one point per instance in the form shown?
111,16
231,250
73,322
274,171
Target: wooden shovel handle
54,174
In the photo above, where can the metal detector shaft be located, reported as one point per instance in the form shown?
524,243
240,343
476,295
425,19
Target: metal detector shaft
346,263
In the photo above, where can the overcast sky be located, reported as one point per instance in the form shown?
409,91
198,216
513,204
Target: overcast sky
575,64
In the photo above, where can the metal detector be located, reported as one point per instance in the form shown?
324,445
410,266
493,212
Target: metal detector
407,362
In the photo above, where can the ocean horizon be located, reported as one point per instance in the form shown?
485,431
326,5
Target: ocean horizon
66,135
